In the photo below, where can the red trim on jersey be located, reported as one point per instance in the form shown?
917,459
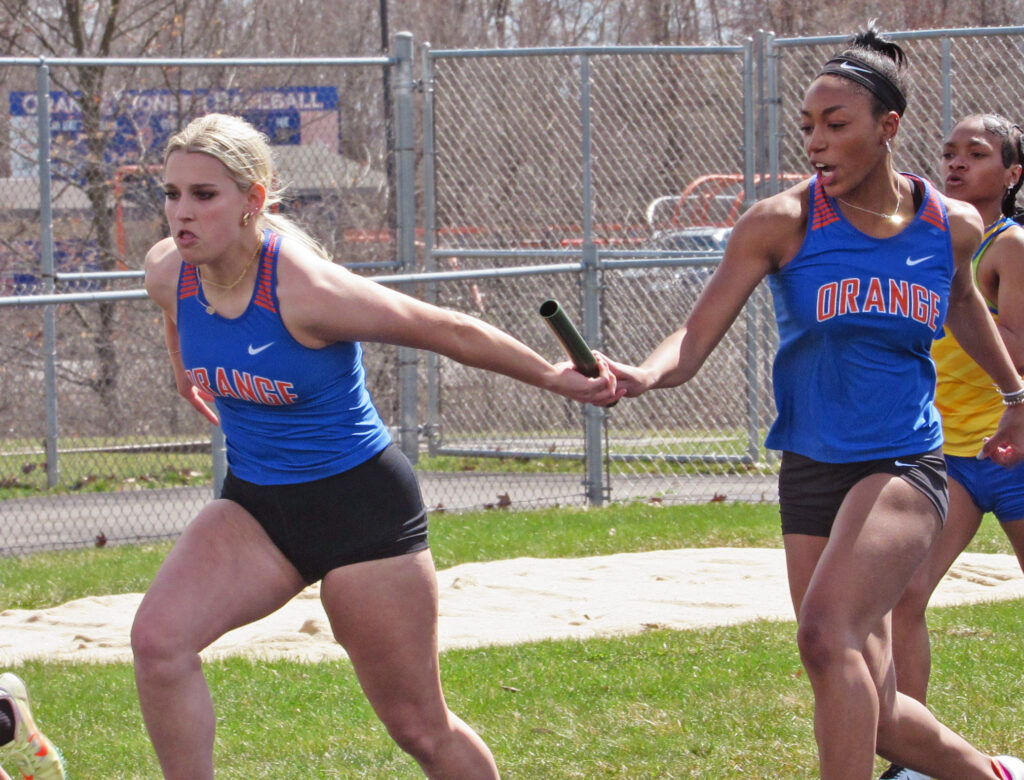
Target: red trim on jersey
264,282
822,213
189,282
932,211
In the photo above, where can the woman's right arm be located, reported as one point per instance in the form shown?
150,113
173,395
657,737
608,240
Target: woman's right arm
162,266
1006,258
761,237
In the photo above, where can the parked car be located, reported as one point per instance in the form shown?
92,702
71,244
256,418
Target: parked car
713,200
697,223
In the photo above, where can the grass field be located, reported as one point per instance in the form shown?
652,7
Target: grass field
717,703
103,464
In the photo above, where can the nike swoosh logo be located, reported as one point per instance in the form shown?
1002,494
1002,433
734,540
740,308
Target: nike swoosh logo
256,350
919,260
851,66
901,464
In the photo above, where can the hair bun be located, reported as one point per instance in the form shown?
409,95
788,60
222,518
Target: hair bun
872,39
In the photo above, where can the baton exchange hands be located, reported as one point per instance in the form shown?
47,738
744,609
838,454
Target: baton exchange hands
631,380
619,380
601,390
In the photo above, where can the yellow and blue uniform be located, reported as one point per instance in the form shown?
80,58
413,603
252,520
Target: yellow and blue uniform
971,407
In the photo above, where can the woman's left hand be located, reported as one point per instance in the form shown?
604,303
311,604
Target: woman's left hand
601,390
1006,445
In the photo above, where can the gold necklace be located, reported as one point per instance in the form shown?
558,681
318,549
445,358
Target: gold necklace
245,270
894,218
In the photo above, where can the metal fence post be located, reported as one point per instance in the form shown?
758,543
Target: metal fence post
752,189
433,361
769,75
219,453
946,47
593,445
48,273
405,196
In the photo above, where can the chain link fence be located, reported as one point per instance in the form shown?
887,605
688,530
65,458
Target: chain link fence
953,73
582,155
89,408
604,178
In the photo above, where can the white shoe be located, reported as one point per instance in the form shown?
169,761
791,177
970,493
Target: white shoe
1013,766
34,755
896,772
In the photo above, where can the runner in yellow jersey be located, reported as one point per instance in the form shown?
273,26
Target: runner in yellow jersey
982,161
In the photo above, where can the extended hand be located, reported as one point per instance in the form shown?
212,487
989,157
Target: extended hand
632,380
601,390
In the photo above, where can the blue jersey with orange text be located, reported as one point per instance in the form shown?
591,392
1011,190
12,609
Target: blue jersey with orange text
289,413
853,376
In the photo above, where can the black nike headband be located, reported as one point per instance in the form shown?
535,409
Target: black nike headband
876,82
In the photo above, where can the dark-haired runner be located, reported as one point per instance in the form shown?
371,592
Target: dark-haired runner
865,264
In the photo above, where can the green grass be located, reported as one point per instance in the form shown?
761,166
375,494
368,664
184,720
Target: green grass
94,464
648,464
25,475
47,579
664,704
638,452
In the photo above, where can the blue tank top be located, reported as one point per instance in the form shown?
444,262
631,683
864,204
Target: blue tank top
853,375
289,413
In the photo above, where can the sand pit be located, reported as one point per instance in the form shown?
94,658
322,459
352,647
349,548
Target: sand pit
504,602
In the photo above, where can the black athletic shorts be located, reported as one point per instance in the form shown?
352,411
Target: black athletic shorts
810,492
372,511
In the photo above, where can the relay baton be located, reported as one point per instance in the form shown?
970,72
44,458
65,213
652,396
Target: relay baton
575,347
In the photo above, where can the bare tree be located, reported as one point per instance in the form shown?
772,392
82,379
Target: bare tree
103,93
98,31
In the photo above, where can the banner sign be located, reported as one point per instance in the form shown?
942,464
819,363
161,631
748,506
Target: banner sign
139,122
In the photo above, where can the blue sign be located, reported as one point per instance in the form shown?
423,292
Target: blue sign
19,264
140,122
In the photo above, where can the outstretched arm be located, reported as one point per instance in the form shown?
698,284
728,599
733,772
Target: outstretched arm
756,242
322,303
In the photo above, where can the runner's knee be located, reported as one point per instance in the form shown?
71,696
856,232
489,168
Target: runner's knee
822,645
914,601
154,645
416,733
